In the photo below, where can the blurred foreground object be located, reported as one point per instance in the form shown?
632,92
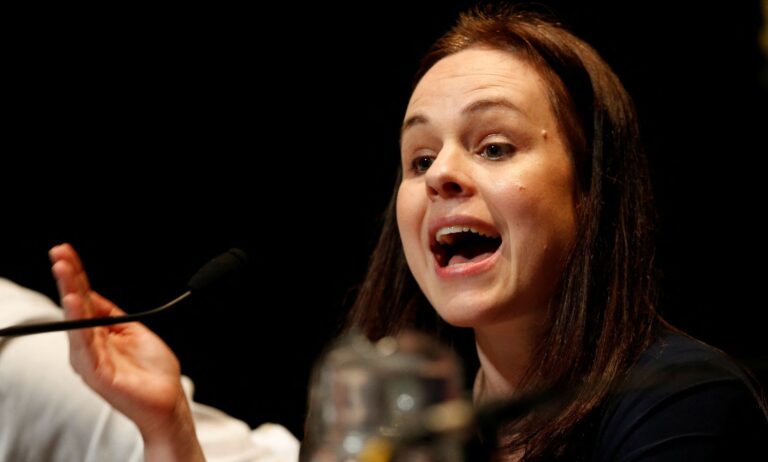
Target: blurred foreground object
368,399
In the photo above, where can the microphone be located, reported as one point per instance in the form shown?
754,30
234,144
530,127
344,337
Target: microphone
208,277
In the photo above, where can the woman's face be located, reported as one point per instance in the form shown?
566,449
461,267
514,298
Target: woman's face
486,208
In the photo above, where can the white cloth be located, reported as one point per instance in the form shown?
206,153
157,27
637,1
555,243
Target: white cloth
47,413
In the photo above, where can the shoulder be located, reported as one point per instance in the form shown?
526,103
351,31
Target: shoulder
19,304
683,399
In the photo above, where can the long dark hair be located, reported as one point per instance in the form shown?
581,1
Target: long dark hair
603,314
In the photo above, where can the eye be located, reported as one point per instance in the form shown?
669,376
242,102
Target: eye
421,163
496,151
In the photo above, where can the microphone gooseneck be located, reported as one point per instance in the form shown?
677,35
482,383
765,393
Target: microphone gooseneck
208,277
29,329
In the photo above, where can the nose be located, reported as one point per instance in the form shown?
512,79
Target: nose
448,176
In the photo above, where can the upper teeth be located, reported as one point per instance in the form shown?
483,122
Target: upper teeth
443,235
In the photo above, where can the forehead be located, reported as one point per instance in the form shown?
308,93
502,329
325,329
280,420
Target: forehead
477,73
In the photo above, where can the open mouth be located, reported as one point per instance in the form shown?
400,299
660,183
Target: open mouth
454,245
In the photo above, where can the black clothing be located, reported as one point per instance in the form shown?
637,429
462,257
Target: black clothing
683,401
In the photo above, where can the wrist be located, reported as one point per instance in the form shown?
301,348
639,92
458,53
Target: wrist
174,439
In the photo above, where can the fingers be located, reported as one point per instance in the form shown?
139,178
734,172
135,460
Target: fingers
79,301
66,251
73,285
65,278
76,278
103,306
79,339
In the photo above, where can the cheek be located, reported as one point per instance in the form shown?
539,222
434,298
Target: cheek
540,216
411,209
407,210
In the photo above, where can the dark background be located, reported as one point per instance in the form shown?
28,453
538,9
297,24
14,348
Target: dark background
154,140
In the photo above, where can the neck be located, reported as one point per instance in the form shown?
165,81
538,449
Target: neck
505,351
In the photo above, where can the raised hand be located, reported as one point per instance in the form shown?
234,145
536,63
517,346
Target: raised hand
127,364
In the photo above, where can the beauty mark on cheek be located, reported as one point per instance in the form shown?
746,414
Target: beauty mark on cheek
543,133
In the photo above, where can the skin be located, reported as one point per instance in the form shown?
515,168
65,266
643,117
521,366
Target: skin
481,146
128,365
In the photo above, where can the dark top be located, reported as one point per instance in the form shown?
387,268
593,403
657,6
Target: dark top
683,401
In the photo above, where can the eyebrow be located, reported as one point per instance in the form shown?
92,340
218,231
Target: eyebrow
489,104
412,121
474,107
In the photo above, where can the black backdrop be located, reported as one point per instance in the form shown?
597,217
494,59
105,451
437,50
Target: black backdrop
154,140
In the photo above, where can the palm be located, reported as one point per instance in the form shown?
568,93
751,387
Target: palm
137,369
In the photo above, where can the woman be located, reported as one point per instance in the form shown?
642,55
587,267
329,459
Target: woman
522,212
520,132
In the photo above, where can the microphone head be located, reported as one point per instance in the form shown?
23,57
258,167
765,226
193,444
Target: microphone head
221,268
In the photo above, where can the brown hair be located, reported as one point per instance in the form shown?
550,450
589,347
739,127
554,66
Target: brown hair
603,314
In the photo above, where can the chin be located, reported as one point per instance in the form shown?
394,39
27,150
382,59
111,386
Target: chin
467,312
470,310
